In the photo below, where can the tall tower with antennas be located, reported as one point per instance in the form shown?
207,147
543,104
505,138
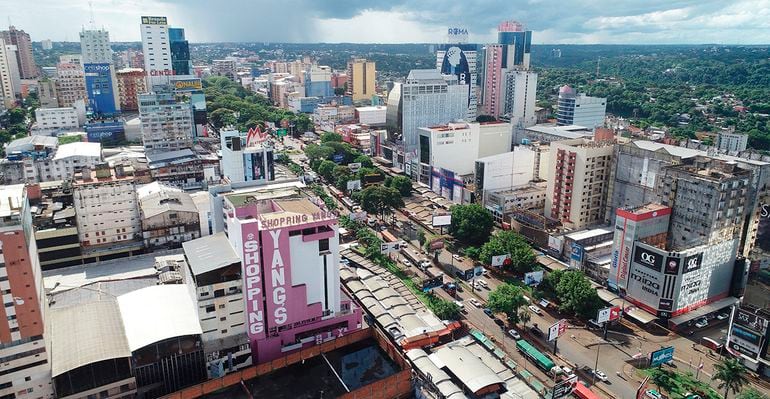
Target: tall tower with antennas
101,81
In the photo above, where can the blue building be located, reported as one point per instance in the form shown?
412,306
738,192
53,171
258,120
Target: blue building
180,52
308,105
108,132
102,92
521,42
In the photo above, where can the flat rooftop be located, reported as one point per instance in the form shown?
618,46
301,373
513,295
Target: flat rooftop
584,234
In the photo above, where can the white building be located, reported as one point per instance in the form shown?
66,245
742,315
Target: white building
68,160
372,116
7,59
580,109
328,115
242,163
95,46
106,206
520,98
732,142
156,47
427,100
529,197
49,121
166,124
215,268
510,169
449,152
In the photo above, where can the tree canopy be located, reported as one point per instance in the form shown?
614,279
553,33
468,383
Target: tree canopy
508,299
471,224
576,295
509,242
731,375
377,199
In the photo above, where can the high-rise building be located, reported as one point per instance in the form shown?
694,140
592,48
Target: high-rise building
520,98
318,81
23,349
95,47
131,83
427,100
578,180
101,83
47,94
7,62
288,245
156,46
167,125
580,109
70,84
457,63
362,75
226,68
20,39
180,52
511,52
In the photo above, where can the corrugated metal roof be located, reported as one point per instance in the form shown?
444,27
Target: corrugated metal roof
209,253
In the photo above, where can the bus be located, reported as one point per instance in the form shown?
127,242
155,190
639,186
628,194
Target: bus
535,356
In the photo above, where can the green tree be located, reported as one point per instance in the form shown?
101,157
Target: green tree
751,393
472,252
222,117
662,379
326,168
547,287
509,242
731,375
444,310
315,152
576,295
365,161
403,184
377,199
331,137
508,299
471,224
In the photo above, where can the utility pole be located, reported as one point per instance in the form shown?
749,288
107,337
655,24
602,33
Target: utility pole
596,364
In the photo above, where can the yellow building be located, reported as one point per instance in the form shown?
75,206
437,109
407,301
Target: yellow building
361,82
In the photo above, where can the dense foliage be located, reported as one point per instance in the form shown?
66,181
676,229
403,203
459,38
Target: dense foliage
509,242
508,299
572,291
228,103
471,224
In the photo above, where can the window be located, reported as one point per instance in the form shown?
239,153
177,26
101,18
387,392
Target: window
210,308
323,245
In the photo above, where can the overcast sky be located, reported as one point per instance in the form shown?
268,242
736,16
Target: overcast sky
401,21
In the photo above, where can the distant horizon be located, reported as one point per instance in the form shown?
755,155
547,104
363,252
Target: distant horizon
38,42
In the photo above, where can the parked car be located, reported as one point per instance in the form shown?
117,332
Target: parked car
499,322
457,257
475,302
652,394
536,331
600,375
482,283
461,305
702,322
723,316
406,262
488,312
514,334
534,309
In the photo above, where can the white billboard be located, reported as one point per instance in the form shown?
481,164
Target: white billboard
358,216
354,185
442,220
354,166
533,278
557,329
499,260
389,247
555,243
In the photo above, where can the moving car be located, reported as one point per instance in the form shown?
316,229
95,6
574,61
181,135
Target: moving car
600,375
652,394
406,262
534,309
499,322
536,331
482,283
461,305
488,312
475,302
514,334
457,257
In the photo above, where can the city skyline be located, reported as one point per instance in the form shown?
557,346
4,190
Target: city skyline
580,22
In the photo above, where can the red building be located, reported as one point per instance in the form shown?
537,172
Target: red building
131,83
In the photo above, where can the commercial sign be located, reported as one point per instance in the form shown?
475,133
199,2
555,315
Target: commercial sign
533,278
555,244
577,252
557,329
96,68
437,243
389,247
276,261
252,281
565,387
154,21
692,262
161,72
608,314
500,260
354,167
672,265
187,85
763,230
641,280
661,356
441,220
750,320
648,258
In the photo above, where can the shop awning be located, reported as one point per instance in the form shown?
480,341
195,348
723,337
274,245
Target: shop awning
639,315
704,310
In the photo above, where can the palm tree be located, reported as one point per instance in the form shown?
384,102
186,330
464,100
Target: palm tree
661,378
524,318
731,374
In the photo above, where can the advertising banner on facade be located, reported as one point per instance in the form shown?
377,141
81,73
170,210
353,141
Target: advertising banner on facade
608,314
692,263
252,282
648,258
389,247
763,230
565,387
187,84
576,252
154,21
557,329
555,244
